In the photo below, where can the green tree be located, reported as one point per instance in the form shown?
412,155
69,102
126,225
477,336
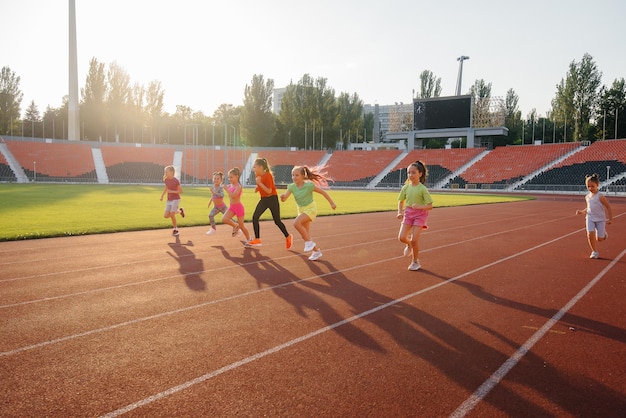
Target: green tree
612,107
512,120
118,98
32,117
93,106
257,119
430,86
577,95
10,101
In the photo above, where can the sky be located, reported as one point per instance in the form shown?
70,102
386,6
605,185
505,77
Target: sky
205,52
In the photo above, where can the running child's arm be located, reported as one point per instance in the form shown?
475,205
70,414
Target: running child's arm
260,185
323,193
605,202
164,191
285,196
400,213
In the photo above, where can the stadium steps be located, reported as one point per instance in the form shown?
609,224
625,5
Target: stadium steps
547,167
387,169
178,162
460,170
101,170
20,175
324,160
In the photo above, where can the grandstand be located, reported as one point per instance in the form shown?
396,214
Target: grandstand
439,162
508,165
549,167
54,161
594,158
358,167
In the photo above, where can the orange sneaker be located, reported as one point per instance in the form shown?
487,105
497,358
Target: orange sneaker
289,241
256,242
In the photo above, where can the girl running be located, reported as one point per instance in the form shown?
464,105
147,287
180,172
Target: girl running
217,198
173,190
236,208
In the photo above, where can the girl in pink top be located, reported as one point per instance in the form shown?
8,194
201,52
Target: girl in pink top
236,208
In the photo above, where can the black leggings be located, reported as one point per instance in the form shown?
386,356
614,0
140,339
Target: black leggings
271,203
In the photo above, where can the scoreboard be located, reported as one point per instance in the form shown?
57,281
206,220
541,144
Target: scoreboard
442,112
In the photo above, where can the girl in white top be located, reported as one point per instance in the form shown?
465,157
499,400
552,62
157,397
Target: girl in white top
595,213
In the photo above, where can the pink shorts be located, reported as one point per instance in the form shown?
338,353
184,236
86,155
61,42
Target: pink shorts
415,217
237,209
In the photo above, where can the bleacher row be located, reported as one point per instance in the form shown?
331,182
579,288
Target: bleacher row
528,167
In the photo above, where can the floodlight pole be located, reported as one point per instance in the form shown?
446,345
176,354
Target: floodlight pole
460,75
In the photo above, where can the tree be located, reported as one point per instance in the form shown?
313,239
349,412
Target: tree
512,120
33,116
612,107
10,100
93,106
118,97
577,95
257,119
430,86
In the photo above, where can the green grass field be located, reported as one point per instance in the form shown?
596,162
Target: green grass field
47,210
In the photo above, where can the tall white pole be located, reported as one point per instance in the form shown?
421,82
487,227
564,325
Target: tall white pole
460,75
73,131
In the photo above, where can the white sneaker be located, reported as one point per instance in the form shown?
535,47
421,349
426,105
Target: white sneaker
308,246
415,265
594,254
211,231
315,255
407,251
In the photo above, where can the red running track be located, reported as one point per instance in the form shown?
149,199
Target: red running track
508,317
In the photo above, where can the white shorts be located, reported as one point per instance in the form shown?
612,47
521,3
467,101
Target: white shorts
598,226
171,206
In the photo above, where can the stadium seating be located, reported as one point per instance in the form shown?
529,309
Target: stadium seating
6,174
131,164
358,167
58,161
506,165
61,161
592,159
440,163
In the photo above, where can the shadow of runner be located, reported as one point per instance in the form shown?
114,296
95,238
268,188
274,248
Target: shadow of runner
459,356
289,288
576,394
189,265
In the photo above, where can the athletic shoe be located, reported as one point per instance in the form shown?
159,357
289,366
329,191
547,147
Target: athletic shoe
407,251
415,265
594,254
175,232
315,255
211,231
256,242
235,230
308,246
182,212
289,242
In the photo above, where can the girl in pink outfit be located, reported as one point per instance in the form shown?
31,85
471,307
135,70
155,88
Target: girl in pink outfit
234,190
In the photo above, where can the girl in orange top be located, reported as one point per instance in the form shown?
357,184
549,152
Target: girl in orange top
269,200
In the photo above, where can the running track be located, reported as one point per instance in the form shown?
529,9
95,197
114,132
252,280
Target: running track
508,317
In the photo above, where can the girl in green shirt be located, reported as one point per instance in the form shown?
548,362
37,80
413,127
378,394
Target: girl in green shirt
305,182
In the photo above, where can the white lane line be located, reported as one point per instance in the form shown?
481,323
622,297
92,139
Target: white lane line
365,243
107,266
232,366
506,367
